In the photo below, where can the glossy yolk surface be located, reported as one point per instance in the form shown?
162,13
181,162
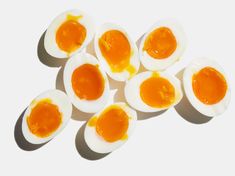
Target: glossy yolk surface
157,92
160,43
70,35
209,85
112,124
88,82
44,119
116,49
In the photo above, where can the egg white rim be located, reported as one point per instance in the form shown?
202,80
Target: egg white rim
134,60
153,64
58,98
88,106
208,110
50,40
132,91
97,144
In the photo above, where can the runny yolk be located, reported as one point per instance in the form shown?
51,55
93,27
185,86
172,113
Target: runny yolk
209,85
116,49
161,43
70,35
112,124
87,82
157,92
44,119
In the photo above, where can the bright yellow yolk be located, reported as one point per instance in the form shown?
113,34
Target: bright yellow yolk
116,49
112,124
88,82
161,43
157,92
209,85
44,119
70,35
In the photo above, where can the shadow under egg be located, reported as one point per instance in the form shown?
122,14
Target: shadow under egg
45,57
148,115
60,80
90,48
83,149
20,140
119,87
139,41
185,109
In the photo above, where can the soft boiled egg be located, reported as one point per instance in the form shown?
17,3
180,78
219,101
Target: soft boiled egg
206,87
117,52
162,45
46,116
153,91
110,128
68,34
86,83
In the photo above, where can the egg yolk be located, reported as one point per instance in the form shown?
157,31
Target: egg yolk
209,85
157,92
88,82
112,124
116,49
70,35
44,119
161,43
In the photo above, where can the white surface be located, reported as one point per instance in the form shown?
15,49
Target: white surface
165,145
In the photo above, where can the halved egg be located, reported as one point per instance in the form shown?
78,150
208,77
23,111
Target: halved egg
206,87
117,52
46,116
110,128
162,45
68,34
153,91
86,83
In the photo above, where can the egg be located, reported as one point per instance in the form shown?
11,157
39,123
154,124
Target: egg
153,91
46,116
162,45
68,34
206,87
110,128
117,52
86,83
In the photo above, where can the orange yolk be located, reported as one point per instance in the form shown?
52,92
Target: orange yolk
44,119
112,124
160,43
88,82
70,35
116,49
209,85
157,92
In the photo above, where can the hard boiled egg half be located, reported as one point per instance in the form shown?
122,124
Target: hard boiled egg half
68,34
86,83
162,45
110,128
153,91
206,87
117,53
46,116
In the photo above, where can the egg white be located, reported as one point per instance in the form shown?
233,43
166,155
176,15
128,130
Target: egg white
134,60
50,36
153,64
58,98
132,91
88,106
97,144
208,110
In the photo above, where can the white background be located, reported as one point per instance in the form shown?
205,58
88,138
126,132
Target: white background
162,145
